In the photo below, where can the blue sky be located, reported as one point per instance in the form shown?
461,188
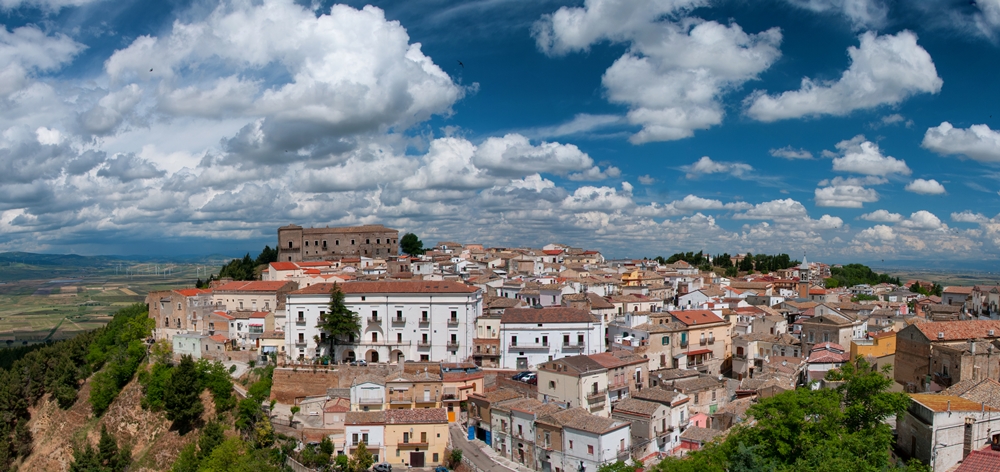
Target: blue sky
845,129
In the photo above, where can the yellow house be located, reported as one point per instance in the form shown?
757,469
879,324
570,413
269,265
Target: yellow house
877,345
459,380
416,438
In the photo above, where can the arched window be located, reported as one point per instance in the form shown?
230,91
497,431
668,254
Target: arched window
166,322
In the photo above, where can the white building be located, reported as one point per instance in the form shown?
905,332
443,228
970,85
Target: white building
531,336
412,320
936,429
592,441
368,428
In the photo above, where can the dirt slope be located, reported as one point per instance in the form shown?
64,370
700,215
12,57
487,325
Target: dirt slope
56,431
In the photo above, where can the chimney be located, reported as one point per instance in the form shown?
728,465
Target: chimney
972,346
970,421
940,335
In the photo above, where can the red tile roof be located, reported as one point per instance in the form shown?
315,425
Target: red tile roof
219,338
190,292
696,317
223,315
414,286
259,314
284,266
422,415
698,352
546,315
959,330
941,403
983,460
252,286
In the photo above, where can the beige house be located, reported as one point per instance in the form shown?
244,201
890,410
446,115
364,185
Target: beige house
416,438
706,341
576,381
418,390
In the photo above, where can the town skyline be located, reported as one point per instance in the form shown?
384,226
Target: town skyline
847,131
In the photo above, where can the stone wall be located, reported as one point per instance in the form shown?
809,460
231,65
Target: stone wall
314,244
290,384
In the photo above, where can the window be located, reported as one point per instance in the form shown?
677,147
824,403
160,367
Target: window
406,437
826,337
399,337
590,449
565,339
579,339
302,338
368,241
324,244
513,340
315,243
571,444
289,244
178,305
374,337
423,437
545,340
379,241
354,438
336,242
399,314
307,243
552,384
811,338
665,340
696,398
435,458
211,326
548,439
425,358
713,395
520,430
352,242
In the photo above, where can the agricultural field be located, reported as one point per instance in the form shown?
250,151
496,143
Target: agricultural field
50,300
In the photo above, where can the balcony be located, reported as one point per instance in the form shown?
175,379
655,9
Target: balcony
684,344
398,320
523,346
572,347
402,445
741,357
423,343
452,321
452,345
300,342
702,342
400,398
374,319
371,400
300,321
425,320
368,445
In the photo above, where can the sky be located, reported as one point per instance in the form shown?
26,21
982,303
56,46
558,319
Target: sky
845,130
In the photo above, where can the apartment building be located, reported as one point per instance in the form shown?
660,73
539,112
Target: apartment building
532,336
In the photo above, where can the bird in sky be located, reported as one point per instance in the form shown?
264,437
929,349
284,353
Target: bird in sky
460,63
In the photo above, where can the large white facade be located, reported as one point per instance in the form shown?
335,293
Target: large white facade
531,336
417,320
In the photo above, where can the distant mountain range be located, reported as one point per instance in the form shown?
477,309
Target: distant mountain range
35,259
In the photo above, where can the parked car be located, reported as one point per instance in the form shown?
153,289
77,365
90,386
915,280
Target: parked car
360,362
528,378
440,468
382,467
532,381
521,375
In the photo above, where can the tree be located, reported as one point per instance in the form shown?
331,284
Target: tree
361,460
338,320
211,436
267,256
107,457
295,410
411,244
182,400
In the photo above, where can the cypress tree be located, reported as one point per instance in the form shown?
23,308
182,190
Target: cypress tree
182,400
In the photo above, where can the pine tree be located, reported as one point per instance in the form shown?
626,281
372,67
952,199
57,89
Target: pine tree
411,244
182,400
361,459
338,321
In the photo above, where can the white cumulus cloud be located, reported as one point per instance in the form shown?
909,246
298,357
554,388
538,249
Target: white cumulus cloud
968,216
676,68
864,157
861,13
977,142
706,165
882,216
844,196
925,187
884,70
923,220
789,152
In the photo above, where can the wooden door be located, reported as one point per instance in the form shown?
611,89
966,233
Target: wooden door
416,459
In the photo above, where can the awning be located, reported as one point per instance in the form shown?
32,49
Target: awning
699,351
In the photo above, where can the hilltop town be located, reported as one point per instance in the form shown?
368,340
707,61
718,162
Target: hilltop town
558,359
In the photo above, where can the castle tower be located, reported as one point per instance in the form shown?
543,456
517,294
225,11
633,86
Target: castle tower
804,279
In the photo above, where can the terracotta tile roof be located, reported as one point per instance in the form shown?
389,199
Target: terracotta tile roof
259,314
253,286
546,315
595,424
985,391
561,417
223,315
364,417
190,292
959,330
284,266
827,357
697,384
983,460
940,403
413,286
700,435
636,406
611,361
598,302
420,415
219,338
499,395
827,346
581,364
661,395
958,290
696,317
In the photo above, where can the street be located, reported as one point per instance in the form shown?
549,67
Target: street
473,451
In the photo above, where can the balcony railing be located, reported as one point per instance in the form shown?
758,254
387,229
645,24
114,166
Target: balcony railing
423,343
601,394
300,342
375,319
702,342
371,400
400,398
425,320
368,445
300,321
452,321
741,357
684,344
452,345
523,346
711,340
398,320
572,346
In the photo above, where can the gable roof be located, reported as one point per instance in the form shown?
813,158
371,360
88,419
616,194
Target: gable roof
958,330
420,415
696,317
408,286
594,424
636,406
